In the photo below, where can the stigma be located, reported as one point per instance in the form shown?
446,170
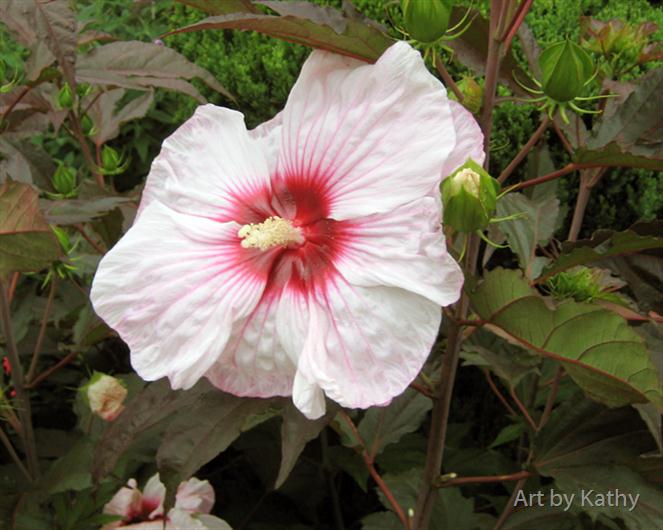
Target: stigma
272,232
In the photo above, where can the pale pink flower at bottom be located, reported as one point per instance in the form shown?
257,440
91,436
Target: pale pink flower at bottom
304,258
194,500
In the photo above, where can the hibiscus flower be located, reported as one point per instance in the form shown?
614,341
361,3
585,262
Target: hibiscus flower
144,509
304,257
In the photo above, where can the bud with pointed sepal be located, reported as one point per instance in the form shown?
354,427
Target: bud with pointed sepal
113,163
66,97
64,180
426,20
470,198
566,69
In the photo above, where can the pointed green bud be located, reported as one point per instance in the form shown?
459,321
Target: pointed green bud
426,20
470,198
65,97
83,89
64,180
110,159
62,237
88,126
566,68
472,94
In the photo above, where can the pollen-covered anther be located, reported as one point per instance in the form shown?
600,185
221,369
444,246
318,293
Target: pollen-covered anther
272,232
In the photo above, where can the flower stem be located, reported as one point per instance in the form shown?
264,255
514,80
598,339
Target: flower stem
12,453
42,330
22,398
368,460
446,76
525,150
485,479
509,504
49,371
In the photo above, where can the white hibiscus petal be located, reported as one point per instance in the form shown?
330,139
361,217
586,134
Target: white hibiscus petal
469,140
403,248
371,137
184,281
254,363
195,496
207,165
373,343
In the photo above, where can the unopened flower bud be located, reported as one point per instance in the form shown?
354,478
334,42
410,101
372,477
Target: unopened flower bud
566,68
83,89
105,395
113,163
65,97
426,20
88,126
64,180
470,198
472,94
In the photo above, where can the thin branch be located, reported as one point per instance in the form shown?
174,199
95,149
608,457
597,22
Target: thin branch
446,76
497,392
423,390
522,408
569,168
485,479
22,398
552,396
584,191
91,242
13,283
518,20
13,455
509,504
543,126
87,153
47,373
13,104
42,330
565,141
368,460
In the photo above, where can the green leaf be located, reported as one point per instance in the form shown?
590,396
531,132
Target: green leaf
142,65
510,363
450,509
76,211
632,136
25,162
108,118
27,243
203,430
70,472
307,24
296,431
546,518
56,26
508,434
536,227
382,426
598,349
381,521
222,7
606,244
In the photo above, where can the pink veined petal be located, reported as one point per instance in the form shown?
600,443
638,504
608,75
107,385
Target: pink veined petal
403,248
154,493
195,496
184,283
268,136
371,137
207,165
370,343
469,140
126,502
254,363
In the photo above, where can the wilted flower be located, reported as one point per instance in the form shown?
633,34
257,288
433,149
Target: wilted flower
106,396
144,510
304,257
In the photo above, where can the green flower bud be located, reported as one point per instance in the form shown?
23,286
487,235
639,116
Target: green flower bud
426,20
62,237
472,94
83,89
64,180
110,159
566,69
88,126
65,97
470,198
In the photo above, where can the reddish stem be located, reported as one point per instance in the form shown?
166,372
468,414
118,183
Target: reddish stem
518,20
497,392
368,460
525,150
50,371
522,408
486,479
